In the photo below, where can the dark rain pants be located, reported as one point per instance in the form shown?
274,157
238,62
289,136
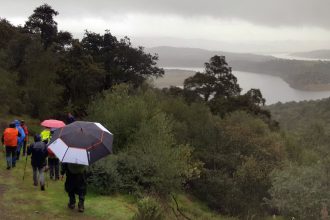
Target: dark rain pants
54,168
11,156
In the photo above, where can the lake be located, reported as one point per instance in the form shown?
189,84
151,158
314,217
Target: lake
273,88
288,56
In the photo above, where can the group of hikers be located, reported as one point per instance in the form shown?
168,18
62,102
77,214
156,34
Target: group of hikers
15,137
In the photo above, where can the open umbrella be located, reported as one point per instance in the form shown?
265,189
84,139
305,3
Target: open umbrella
52,123
81,142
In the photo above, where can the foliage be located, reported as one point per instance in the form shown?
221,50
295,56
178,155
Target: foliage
81,77
42,22
251,102
217,81
40,93
9,93
218,87
150,159
74,71
300,116
121,62
148,209
300,191
237,166
300,188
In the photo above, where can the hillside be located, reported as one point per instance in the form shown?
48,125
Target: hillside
300,116
315,54
299,74
19,199
195,57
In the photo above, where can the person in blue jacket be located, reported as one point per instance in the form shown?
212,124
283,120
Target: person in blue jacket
20,139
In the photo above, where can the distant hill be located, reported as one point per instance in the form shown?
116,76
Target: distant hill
194,57
300,74
315,54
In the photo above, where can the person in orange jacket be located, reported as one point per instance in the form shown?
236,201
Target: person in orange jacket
9,139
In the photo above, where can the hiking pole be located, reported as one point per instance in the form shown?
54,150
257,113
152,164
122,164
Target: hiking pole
25,167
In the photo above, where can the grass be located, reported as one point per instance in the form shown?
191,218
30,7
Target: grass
21,200
196,210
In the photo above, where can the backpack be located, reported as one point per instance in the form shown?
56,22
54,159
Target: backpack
76,168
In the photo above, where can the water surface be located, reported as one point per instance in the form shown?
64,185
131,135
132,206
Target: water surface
274,89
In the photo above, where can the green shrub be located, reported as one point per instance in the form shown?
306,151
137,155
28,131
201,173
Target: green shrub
149,157
148,209
300,191
104,177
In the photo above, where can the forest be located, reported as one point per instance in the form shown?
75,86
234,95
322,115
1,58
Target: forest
207,139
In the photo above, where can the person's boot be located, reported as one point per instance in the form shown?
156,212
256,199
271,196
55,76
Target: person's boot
71,205
72,201
42,187
81,207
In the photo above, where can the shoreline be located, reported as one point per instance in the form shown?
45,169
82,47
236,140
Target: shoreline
179,74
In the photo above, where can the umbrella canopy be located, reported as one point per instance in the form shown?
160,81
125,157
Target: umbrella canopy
52,123
81,142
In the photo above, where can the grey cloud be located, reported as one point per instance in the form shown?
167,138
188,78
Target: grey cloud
262,12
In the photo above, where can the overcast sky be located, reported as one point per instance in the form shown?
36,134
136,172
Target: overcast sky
231,25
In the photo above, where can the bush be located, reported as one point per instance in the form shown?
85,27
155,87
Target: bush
149,158
104,177
148,209
300,192
236,176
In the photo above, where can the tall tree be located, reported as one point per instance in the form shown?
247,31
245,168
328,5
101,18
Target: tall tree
40,93
81,77
122,62
216,82
42,22
6,32
63,40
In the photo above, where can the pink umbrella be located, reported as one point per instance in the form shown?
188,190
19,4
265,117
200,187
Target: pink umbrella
52,123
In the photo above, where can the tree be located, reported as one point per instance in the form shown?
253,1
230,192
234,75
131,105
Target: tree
63,40
42,22
121,62
40,93
149,158
241,153
216,82
81,77
7,32
300,191
255,97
